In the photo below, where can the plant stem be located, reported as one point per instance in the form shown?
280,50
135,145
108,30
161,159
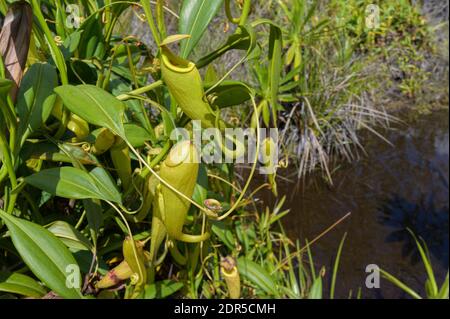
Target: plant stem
242,20
130,95
245,12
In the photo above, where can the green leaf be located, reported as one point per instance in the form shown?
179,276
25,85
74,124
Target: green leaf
80,72
224,234
443,292
71,43
105,184
275,60
5,86
243,39
423,250
195,17
136,135
48,151
275,63
400,284
316,289
70,236
44,254
36,98
21,284
71,182
336,266
92,38
201,188
228,93
67,182
95,106
211,75
162,289
257,275
94,215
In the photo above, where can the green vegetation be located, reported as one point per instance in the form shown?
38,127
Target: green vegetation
432,289
95,203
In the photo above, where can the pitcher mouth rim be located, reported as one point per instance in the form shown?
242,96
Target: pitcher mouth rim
167,61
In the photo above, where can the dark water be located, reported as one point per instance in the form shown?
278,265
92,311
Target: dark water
393,188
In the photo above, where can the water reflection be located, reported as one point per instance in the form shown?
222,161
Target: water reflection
394,188
424,220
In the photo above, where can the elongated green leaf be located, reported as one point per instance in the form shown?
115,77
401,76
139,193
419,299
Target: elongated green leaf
5,87
71,43
92,38
45,255
336,266
224,234
228,93
94,216
195,17
423,250
136,135
201,189
36,98
105,184
71,182
400,284
257,275
67,182
316,289
162,289
21,284
48,151
443,292
275,60
95,106
243,39
70,236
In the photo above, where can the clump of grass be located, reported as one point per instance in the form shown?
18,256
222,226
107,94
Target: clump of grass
341,76
326,92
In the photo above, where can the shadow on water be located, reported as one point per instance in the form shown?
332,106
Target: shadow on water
424,220
392,189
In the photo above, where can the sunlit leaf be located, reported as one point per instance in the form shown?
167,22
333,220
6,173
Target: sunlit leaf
162,289
70,236
243,39
46,256
316,289
36,98
136,135
94,105
70,182
195,17
21,284
257,275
